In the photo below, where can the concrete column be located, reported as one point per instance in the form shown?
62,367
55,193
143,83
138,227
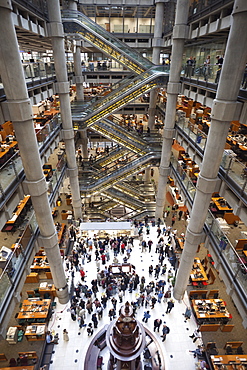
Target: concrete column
20,111
180,33
157,41
78,73
224,110
55,30
80,93
72,5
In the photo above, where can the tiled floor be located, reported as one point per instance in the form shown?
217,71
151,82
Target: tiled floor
176,347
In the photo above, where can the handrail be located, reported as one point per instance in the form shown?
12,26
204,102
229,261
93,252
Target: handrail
104,40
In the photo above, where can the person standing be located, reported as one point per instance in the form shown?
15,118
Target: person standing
90,329
170,306
157,323
165,331
65,335
95,320
173,219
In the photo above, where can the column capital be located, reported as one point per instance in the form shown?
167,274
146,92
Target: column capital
180,31
6,4
48,242
20,110
239,7
68,134
55,29
62,87
164,171
173,87
225,110
205,185
36,188
168,133
193,238
72,172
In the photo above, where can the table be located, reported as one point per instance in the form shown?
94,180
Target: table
7,152
40,263
217,361
35,332
221,207
245,253
20,211
207,309
47,288
181,242
34,309
198,273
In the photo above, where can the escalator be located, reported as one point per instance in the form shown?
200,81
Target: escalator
110,179
124,199
112,156
77,23
127,91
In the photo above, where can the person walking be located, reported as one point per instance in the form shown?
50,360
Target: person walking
187,314
90,329
170,306
157,323
165,331
196,335
146,316
65,335
95,320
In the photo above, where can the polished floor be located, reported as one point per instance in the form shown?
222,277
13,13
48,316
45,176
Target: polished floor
71,354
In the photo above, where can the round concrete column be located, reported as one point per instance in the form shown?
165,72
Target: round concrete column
55,30
180,33
20,111
224,110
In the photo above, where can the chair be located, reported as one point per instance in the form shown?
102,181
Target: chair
240,351
12,362
216,295
229,350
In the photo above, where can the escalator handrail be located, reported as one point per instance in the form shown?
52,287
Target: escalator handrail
115,96
106,37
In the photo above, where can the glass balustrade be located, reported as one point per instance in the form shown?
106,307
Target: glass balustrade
12,169
228,252
207,73
38,70
120,97
232,169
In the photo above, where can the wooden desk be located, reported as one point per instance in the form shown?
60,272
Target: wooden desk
61,233
35,332
11,145
32,309
225,359
20,208
185,158
245,253
198,273
221,207
51,290
208,305
181,242
40,263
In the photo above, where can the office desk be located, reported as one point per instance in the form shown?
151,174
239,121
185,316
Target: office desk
225,359
245,253
210,304
220,207
181,242
7,150
198,273
20,209
40,263
35,332
32,309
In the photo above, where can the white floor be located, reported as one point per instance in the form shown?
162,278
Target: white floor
71,354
